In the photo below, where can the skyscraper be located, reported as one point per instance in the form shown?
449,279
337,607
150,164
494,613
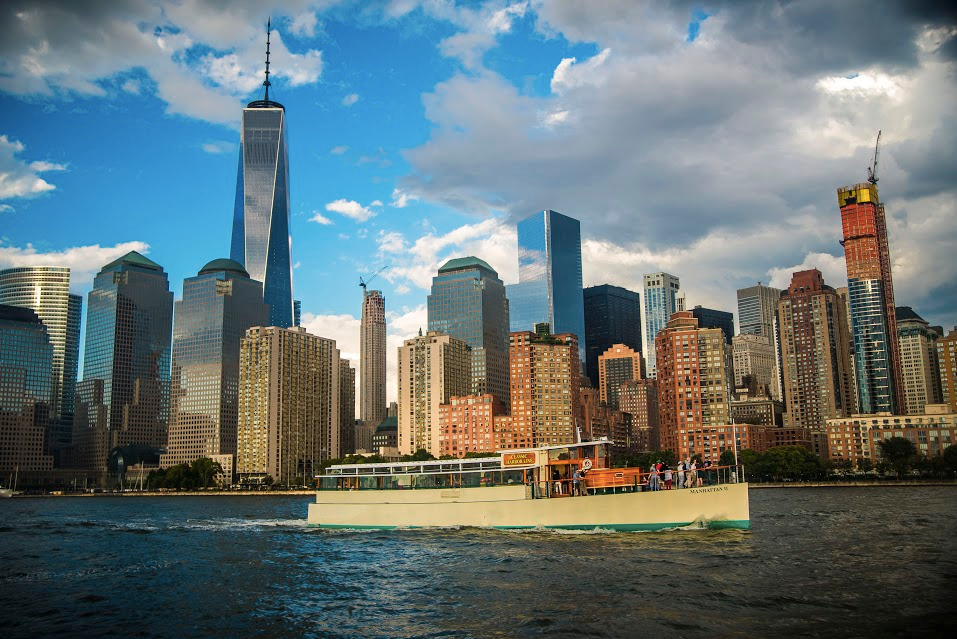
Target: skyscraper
289,412
347,408
693,384
433,368
947,364
813,344
612,316
372,338
871,292
712,318
468,302
123,399
757,308
218,306
661,302
753,356
549,285
46,290
261,240
26,394
919,367
617,365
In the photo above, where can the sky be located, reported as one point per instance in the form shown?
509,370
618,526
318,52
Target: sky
705,139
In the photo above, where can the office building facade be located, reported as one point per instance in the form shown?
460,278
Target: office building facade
219,305
549,288
372,338
617,365
871,293
468,302
920,371
712,318
757,308
661,302
46,291
289,412
754,358
813,344
347,407
612,316
947,365
433,368
26,391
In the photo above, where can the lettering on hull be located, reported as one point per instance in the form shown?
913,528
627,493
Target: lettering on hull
711,489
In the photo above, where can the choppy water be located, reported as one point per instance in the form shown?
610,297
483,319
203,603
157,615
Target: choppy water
829,562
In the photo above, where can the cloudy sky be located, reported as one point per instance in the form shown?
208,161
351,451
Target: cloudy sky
706,139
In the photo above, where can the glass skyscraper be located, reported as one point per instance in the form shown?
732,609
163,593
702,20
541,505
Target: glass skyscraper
757,307
218,306
468,302
661,302
711,318
261,240
46,290
549,285
612,316
123,399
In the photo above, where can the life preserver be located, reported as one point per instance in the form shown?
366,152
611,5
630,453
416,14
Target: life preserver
586,464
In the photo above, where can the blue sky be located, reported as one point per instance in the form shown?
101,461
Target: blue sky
704,139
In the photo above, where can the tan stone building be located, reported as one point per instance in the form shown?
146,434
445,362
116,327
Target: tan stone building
433,368
753,356
617,365
920,373
372,362
289,412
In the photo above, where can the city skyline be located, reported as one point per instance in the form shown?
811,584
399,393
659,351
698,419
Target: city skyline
174,107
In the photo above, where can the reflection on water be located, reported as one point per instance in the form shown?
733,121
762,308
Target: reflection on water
834,562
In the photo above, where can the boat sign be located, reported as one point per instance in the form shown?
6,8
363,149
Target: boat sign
518,459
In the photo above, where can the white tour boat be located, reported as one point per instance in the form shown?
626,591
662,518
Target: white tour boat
528,488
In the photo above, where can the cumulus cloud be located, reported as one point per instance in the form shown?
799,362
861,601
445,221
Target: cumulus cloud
401,199
218,147
19,178
352,209
84,261
319,218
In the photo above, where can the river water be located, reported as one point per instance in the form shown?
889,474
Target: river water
817,562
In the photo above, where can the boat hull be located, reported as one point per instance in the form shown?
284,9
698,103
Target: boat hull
509,507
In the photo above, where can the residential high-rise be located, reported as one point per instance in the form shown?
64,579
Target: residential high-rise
123,399
549,288
753,356
661,302
919,368
261,240
617,365
289,412
639,398
612,316
46,291
433,368
219,304
947,364
347,407
466,424
693,383
813,344
545,377
845,296
372,338
468,302
871,292
26,393
757,308
711,318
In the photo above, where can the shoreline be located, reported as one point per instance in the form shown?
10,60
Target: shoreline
287,493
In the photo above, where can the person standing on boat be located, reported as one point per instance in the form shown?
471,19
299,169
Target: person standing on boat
668,477
692,474
681,474
557,478
578,487
654,478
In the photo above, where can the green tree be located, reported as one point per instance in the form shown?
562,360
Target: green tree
727,457
204,470
950,458
844,466
899,452
419,455
865,465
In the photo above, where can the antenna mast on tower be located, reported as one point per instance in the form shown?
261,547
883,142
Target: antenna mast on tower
268,31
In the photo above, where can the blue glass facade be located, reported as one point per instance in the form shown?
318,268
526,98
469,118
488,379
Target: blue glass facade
612,316
872,361
468,302
661,291
711,318
549,285
260,239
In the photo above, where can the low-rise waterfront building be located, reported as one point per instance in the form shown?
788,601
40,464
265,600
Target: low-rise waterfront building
857,437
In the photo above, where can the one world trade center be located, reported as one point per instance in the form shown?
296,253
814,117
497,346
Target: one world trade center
261,240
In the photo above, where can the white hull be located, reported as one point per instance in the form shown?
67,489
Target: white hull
722,506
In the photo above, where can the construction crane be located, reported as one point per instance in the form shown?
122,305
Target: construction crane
365,281
872,170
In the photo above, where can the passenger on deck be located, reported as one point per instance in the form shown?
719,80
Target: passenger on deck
681,474
578,484
668,478
557,478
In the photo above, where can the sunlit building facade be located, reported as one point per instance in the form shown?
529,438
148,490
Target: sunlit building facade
617,365
219,304
466,425
661,292
947,365
46,291
757,308
372,337
549,288
918,355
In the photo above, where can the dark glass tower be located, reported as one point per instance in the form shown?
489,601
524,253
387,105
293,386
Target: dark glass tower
468,302
123,400
711,318
549,285
261,240
218,305
612,316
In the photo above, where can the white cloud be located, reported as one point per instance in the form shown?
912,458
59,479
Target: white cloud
19,178
351,209
571,74
401,199
350,99
338,150
832,267
218,146
320,218
6,208
84,261
304,24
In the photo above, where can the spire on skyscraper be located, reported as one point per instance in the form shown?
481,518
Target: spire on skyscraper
268,31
